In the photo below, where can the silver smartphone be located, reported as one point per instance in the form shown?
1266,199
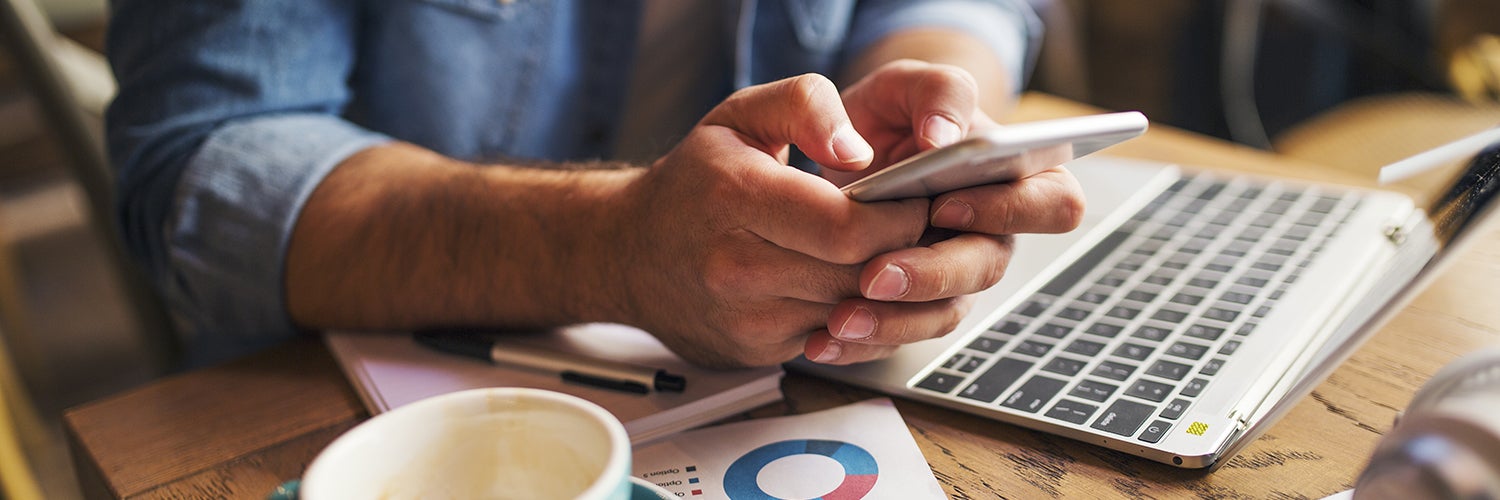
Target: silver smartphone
1000,155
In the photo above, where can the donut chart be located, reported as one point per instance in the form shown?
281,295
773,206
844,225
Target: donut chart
860,470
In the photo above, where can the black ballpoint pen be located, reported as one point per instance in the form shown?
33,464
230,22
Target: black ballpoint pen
572,368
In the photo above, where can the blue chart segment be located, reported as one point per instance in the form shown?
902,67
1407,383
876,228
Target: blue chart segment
860,470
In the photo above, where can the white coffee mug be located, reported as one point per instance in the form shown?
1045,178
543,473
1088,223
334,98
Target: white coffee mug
482,443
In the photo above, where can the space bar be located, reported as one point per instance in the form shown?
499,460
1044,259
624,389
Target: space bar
1065,280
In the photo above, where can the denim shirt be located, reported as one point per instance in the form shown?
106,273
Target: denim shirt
230,112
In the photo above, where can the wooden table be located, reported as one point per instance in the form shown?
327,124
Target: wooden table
241,429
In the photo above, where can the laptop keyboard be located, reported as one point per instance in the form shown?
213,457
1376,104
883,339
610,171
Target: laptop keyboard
1137,328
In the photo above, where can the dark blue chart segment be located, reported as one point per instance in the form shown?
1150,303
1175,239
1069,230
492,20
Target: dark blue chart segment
860,470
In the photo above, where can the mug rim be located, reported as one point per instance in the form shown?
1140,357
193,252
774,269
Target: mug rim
614,473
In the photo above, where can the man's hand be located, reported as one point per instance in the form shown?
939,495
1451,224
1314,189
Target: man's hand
905,107
738,257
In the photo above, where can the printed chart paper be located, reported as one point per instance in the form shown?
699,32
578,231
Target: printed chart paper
862,450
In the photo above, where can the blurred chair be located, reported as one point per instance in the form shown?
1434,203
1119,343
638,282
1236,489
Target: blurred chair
18,419
73,85
1398,35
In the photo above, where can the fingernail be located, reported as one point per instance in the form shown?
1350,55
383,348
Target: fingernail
889,283
849,147
831,352
953,214
860,325
940,131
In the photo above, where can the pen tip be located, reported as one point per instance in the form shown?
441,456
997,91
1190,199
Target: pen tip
667,382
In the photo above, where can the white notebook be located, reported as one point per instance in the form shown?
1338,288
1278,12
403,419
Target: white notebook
390,369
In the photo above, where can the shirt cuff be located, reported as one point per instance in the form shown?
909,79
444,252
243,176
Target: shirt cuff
232,217
1011,29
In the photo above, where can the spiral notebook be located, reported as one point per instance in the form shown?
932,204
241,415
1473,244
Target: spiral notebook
389,370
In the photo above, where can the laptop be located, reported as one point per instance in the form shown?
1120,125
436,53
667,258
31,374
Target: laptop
1194,307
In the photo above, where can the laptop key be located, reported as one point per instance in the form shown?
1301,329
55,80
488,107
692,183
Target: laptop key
1033,348
1169,316
1205,332
1033,394
1011,325
940,382
1113,279
1324,204
1076,313
1185,298
1054,330
1174,409
1255,278
1122,312
1072,411
1168,369
972,364
1205,282
1212,191
989,385
1187,350
1155,431
1159,278
1297,233
1133,351
1194,388
1091,390
987,344
1195,245
1113,370
953,361
1124,417
1104,330
1266,266
1237,297
1172,264
1085,347
1153,391
1221,314
1212,367
1152,333
1094,295
1033,308
1064,366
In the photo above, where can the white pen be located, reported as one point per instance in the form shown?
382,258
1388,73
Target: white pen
605,374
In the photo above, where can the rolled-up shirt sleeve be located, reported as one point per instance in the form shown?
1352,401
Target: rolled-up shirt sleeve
231,218
226,120
1009,27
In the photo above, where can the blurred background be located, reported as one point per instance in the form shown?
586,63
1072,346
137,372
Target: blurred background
1350,84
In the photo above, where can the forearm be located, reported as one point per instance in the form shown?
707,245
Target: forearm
942,46
398,237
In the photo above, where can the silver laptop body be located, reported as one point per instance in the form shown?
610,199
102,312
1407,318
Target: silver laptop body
1191,310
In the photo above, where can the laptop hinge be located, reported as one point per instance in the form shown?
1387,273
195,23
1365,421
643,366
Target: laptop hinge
1401,225
1241,421
1396,233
